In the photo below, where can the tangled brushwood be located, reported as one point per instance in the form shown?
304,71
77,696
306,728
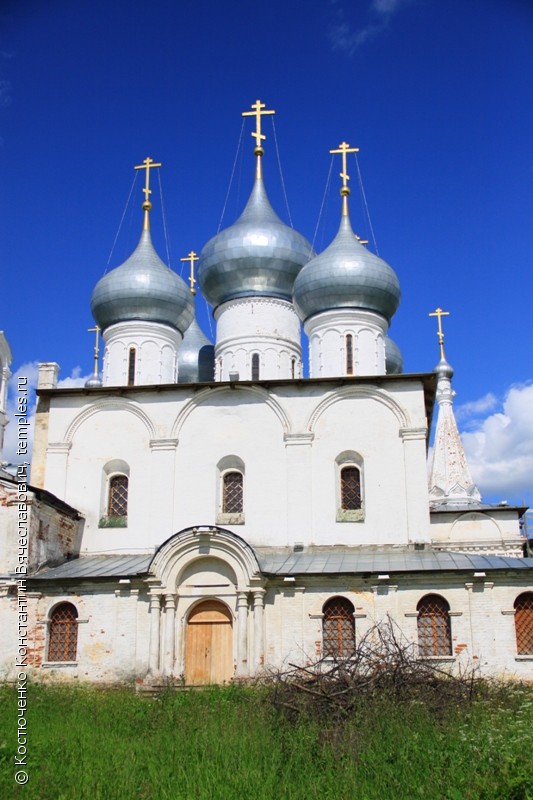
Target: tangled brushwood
383,664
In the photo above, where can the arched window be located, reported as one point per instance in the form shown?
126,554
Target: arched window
117,502
131,367
255,367
523,621
350,488
338,628
434,627
232,493
349,353
63,633
293,368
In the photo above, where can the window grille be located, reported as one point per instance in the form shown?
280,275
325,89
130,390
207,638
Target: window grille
523,620
434,627
349,354
232,500
118,496
63,633
131,367
350,488
255,367
338,628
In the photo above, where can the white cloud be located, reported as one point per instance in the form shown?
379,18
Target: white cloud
30,372
500,448
348,38
476,408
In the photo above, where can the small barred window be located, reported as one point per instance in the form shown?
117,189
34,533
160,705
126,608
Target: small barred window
63,633
232,493
131,367
118,496
349,354
434,626
338,628
523,620
350,488
255,367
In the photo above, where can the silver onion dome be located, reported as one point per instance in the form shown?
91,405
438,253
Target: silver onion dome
196,356
143,288
443,369
393,357
257,256
346,275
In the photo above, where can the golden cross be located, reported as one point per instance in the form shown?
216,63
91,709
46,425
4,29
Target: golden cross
439,313
96,330
344,148
147,164
192,257
258,112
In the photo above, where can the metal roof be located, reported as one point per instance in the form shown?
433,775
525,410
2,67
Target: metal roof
97,566
323,561
359,560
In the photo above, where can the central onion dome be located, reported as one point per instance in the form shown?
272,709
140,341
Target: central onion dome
346,275
257,256
143,288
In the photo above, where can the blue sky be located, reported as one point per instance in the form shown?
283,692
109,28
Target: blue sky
437,96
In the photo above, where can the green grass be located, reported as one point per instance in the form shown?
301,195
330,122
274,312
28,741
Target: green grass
230,744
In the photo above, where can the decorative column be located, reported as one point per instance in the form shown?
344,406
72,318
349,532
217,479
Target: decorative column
259,607
415,471
155,623
170,634
298,449
242,635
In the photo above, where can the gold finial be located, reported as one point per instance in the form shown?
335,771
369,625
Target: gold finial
192,257
439,313
96,330
258,112
344,148
147,164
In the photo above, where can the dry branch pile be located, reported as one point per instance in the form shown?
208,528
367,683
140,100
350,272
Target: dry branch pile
383,663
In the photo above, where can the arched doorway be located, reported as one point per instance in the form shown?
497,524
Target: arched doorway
209,644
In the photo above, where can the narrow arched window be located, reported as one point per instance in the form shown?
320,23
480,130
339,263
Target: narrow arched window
232,493
349,354
523,621
350,488
117,503
338,628
293,368
434,627
131,367
255,367
63,633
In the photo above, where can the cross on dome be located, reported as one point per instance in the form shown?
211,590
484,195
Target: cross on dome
439,313
344,148
191,258
147,165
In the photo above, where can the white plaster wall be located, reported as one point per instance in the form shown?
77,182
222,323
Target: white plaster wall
327,342
113,630
262,325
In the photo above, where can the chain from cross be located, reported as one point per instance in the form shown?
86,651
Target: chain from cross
192,257
344,148
147,164
258,112
439,313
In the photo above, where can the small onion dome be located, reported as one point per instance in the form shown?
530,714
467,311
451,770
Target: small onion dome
443,369
393,357
346,275
94,382
196,356
257,256
143,288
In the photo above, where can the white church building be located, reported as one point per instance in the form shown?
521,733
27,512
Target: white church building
198,514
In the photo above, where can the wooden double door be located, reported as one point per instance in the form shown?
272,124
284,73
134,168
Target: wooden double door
209,644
